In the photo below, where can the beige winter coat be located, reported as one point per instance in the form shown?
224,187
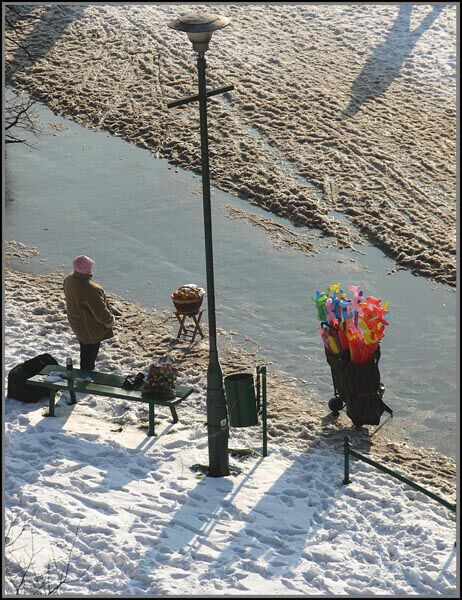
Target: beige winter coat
88,310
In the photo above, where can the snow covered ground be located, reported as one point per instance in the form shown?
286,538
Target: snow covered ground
135,518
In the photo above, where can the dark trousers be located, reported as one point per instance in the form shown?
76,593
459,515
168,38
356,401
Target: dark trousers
88,354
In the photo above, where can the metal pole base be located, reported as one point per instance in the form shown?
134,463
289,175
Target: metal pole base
217,420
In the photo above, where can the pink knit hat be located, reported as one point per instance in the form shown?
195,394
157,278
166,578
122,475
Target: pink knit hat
83,264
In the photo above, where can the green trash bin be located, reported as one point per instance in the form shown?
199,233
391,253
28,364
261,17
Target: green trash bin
241,400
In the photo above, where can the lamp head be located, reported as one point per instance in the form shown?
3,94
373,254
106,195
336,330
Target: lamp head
199,27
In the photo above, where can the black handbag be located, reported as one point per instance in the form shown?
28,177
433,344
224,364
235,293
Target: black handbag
17,387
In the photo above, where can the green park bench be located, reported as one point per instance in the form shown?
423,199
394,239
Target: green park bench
105,384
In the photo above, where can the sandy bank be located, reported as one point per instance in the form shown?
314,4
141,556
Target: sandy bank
349,110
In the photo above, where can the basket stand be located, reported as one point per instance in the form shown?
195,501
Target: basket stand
196,329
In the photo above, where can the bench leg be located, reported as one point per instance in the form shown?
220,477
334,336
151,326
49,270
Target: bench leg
51,405
73,397
174,415
151,419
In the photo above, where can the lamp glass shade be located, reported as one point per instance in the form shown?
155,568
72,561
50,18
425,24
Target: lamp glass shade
199,28
200,38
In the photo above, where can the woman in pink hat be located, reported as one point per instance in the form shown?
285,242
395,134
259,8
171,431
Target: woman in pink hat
88,311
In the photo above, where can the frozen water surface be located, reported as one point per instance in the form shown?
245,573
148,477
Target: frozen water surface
81,191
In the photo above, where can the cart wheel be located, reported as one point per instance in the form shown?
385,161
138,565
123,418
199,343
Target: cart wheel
335,404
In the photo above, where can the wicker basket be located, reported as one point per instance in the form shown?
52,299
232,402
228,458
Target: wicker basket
187,306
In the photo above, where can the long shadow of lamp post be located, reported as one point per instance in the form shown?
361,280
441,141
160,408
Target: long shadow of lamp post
199,28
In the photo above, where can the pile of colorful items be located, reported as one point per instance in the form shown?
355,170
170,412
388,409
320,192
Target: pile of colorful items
351,325
161,380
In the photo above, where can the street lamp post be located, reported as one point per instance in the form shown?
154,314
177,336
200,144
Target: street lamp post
199,28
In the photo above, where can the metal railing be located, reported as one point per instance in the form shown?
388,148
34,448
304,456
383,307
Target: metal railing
261,393
346,479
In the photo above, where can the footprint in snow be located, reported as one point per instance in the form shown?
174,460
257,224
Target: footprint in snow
296,493
137,471
100,505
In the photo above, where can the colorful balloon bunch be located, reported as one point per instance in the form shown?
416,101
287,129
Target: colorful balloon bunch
353,325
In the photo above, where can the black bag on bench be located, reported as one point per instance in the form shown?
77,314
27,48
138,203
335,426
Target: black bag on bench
17,387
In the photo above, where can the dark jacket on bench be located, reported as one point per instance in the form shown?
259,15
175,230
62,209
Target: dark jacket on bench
88,310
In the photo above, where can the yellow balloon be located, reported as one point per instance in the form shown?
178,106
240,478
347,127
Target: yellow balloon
333,344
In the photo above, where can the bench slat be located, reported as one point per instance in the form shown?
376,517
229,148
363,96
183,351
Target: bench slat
109,385
106,384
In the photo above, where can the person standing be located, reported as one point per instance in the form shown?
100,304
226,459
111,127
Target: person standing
88,311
